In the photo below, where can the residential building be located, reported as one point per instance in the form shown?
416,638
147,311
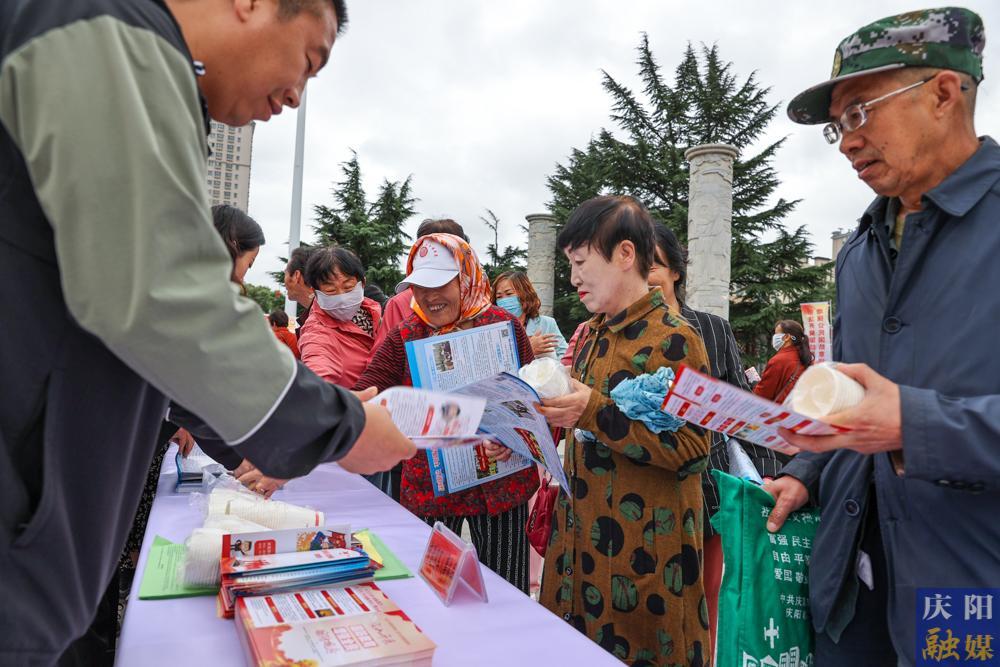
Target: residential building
229,165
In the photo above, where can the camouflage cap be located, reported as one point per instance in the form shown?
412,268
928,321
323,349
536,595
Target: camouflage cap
950,38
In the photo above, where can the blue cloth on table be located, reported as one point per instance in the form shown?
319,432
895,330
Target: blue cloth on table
640,399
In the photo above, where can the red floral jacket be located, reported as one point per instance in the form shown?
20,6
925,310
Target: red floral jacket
389,368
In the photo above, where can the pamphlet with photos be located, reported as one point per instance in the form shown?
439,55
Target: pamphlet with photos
450,361
434,419
350,625
719,406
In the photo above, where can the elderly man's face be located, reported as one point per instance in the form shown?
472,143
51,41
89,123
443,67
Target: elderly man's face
894,148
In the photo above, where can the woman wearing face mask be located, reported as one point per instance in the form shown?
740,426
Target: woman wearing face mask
450,292
785,368
513,292
624,559
337,338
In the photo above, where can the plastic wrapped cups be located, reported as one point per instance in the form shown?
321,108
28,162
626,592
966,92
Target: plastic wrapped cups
823,390
547,377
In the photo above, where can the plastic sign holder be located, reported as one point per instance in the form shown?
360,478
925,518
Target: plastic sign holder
450,563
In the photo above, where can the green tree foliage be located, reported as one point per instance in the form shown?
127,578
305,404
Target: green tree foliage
372,229
266,297
643,156
511,259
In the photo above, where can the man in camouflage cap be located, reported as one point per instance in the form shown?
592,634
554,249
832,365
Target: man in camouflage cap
911,495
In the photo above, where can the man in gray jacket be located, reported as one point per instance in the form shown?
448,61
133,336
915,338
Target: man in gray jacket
911,495
116,287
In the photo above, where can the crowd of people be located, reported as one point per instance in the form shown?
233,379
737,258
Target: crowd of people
140,333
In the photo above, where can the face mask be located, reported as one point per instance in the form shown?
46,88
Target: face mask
777,340
344,306
511,304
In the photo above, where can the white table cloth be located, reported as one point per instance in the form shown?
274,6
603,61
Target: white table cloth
511,630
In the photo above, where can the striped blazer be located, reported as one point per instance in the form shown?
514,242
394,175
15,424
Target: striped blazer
724,357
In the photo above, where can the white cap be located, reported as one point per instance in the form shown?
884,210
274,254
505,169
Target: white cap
433,266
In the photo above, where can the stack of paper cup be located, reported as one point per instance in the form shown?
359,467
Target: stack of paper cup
547,377
274,514
200,565
823,390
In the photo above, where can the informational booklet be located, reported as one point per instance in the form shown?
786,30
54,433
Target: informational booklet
351,625
451,361
433,419
285,572
719,406
510,418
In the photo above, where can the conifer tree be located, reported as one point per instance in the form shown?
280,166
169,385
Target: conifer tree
643,156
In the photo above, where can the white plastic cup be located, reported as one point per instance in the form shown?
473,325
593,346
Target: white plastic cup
547,377
823,390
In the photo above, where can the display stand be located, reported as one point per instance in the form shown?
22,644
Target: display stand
450,563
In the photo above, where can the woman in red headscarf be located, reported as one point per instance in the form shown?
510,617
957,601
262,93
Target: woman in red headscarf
451,292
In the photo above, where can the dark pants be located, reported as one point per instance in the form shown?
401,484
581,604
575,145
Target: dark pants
866,641
500,541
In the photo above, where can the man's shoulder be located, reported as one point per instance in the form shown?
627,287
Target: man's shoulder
22,22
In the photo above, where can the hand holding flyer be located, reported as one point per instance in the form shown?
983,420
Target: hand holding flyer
719,406
434,419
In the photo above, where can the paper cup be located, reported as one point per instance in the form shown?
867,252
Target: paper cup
823,390
547,377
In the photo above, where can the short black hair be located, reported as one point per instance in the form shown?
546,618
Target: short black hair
298,259
325,261
290,8
441,226
278,318
603,222
675,254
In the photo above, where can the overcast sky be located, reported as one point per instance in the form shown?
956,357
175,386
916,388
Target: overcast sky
479,100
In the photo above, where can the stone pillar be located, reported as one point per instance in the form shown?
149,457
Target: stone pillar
710,232
542,257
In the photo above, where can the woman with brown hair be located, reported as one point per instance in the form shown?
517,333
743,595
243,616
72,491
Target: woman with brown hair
785,368
514,292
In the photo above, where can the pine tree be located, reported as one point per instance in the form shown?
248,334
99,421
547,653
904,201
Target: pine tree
644,157
372,230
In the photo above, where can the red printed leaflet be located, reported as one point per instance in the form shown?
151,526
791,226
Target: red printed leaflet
719,406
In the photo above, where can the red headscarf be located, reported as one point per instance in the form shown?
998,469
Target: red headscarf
473,285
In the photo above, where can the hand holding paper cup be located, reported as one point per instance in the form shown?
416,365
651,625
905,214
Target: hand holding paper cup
823,390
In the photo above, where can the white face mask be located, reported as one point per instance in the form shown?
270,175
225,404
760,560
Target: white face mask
344,306
777,340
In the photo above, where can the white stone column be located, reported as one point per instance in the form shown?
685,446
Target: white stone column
710,231
542,257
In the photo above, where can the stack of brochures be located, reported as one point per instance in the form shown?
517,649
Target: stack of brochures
348,625
282,573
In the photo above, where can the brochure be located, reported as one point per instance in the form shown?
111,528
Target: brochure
719,406
510,418
451,361
286,572
352,625
434,419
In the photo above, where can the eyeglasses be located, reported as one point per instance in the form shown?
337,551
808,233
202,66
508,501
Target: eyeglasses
856,115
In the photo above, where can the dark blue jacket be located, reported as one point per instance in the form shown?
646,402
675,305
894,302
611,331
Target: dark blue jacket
930,326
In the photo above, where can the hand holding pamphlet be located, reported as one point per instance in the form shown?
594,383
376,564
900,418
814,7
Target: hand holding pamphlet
433,419
719,406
